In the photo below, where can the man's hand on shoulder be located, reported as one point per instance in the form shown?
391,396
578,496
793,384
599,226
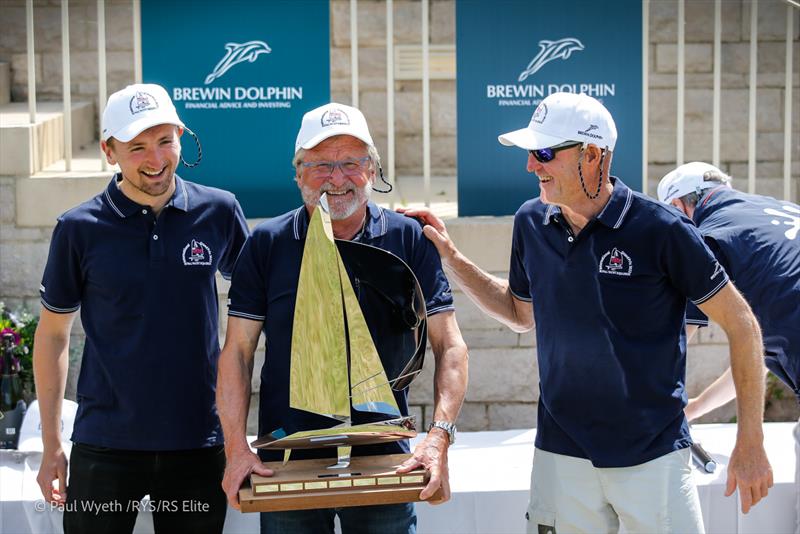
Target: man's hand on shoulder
432,455
435,230
238,466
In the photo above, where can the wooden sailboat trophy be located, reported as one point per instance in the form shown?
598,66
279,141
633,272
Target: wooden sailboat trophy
337,372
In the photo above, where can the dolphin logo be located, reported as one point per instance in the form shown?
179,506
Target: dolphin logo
237,53
551,50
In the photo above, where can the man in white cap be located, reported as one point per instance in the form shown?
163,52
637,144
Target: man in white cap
757,239
606,273
335,155
139,260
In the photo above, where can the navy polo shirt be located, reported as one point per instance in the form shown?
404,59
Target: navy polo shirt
148,297
609,306
756,239
264,288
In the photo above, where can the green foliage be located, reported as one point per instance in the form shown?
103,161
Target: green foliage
23,324
774,391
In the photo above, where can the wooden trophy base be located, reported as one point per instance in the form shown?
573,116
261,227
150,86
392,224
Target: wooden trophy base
309,484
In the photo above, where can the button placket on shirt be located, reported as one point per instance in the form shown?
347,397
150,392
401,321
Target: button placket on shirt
156,242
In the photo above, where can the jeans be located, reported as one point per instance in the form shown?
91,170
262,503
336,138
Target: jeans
105,489
379,519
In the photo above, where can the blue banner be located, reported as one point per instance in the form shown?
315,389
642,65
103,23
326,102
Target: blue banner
241,74
510,55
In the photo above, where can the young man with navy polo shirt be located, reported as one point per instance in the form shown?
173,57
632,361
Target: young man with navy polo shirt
606,272
139,260
334,154
757,239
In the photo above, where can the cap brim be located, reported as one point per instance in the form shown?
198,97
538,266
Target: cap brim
527,139
331,132
138,126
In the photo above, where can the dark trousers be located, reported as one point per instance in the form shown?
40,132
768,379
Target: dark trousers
106,486
380,519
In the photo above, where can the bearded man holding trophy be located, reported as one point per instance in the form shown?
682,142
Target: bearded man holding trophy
347,294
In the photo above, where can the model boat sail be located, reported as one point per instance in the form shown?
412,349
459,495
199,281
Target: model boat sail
336,369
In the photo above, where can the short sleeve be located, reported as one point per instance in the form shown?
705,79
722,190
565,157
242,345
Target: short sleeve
236,238
690,265
427,267
518,280
62,281
247,294
694,316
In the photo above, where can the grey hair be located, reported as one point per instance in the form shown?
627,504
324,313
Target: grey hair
716,177
372,152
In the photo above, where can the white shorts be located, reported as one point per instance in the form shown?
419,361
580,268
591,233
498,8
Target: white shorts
569,494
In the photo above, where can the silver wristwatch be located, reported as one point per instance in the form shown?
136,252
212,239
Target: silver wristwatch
448,427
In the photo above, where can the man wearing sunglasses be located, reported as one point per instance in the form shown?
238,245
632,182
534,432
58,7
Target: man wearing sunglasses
606,272
335,155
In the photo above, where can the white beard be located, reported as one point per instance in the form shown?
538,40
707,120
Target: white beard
338,209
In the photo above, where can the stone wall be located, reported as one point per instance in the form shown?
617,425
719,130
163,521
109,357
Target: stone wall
408,99
735,57
503,378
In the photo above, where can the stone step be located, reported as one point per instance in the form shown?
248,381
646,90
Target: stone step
5,83
50,192
28,148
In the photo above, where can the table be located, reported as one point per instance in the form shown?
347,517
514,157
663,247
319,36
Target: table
490,477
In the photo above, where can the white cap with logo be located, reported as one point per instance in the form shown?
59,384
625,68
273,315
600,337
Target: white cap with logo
565,117
691,177
136,108
329,120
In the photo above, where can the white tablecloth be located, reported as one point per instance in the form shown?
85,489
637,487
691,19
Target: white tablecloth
490,477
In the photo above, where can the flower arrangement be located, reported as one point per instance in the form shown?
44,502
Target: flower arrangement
22,325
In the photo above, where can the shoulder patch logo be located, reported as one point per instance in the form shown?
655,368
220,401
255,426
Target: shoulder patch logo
196,253
717,270
616,261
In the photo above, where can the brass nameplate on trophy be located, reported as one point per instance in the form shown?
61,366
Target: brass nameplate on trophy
309,484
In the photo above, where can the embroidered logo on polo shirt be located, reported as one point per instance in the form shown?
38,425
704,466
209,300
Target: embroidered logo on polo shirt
616,261
196,253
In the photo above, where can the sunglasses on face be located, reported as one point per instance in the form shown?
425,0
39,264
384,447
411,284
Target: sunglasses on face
543,155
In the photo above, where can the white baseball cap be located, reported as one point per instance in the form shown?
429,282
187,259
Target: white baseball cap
565,117
691,177
136,108
329,120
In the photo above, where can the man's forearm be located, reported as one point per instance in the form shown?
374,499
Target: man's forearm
490,293
450,384
233,397
719,392
50,363
747,369
450,376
